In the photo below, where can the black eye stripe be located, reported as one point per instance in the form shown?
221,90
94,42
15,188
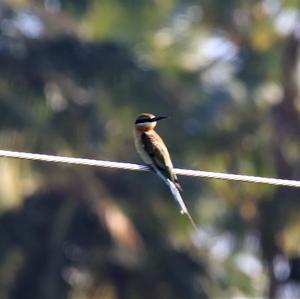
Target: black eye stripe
141,121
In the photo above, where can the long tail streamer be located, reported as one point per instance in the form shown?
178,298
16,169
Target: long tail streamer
178,198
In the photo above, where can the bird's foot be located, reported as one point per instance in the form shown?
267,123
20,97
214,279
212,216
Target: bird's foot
150,167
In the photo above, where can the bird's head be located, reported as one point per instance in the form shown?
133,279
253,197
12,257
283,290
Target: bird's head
146,121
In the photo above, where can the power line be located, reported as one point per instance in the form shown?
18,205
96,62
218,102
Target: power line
137,167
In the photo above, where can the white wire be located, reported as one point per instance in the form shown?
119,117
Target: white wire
136,167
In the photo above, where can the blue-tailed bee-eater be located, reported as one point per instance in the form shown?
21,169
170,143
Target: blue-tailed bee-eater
155,154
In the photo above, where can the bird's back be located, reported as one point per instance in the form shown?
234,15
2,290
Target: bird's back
154,152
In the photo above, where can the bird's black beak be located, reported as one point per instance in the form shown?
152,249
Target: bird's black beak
156,118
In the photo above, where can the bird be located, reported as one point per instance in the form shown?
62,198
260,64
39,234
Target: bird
155,154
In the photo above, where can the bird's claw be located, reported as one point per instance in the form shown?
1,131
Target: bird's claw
150,167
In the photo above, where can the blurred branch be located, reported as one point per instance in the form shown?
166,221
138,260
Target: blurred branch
286,126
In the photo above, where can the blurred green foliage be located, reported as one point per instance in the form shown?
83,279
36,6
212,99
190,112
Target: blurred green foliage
74,75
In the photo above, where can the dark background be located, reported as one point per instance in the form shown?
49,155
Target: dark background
73,77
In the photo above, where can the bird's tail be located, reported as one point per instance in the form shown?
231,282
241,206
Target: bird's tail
178,198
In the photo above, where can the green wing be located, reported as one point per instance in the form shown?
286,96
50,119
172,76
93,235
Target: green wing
159,155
